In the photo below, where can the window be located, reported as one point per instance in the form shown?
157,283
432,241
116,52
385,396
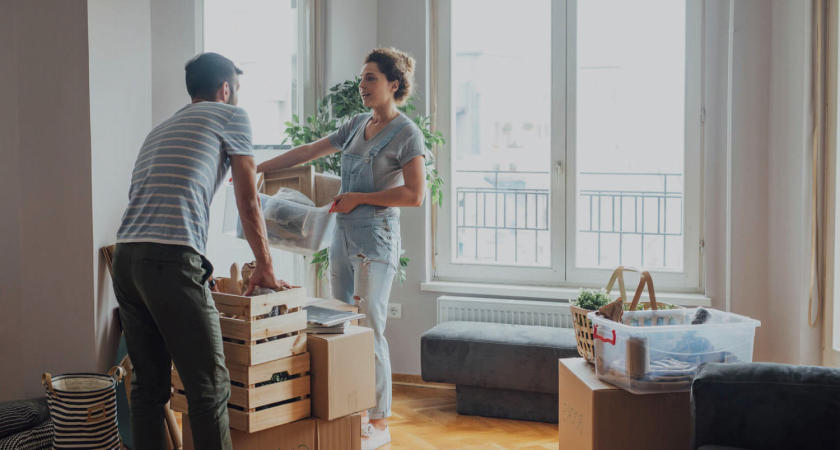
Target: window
574,132
261,38
267,40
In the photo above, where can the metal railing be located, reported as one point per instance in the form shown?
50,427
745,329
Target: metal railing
640,198
512,207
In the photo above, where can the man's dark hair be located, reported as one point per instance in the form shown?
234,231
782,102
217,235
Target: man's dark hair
207,72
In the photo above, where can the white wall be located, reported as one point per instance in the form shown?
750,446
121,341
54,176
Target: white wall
403,24
175,39
120,46
748,155
792,340
350,35
48,314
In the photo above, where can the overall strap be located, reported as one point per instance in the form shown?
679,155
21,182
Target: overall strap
387,138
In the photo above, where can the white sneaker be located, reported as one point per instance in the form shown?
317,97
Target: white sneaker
374,438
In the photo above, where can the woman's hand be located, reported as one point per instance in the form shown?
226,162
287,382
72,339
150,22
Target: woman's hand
345,203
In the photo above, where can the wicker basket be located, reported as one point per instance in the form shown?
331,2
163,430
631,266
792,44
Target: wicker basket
583,333
583,326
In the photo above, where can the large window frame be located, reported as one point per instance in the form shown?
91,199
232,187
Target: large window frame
562,271
307,73
223,249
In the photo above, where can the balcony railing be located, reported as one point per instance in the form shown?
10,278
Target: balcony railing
620,204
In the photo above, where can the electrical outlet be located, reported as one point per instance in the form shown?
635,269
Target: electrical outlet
395,310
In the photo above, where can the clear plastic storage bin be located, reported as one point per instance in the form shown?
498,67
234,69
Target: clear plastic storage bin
659,351
291,226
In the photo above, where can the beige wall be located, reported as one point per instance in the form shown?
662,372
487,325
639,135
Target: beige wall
10,185
79,77
48,317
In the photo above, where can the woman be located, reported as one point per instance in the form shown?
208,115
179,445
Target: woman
382,169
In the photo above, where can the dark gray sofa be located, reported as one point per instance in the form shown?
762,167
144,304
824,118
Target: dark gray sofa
500,370
762,406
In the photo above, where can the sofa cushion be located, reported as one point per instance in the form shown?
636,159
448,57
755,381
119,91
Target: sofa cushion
38,438
22,415
766,406
494,355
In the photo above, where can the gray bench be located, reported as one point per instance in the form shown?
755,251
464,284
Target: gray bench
499,370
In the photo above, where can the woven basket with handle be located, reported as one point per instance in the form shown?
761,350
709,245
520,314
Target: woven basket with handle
583,326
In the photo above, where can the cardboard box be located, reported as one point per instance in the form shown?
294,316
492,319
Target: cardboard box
598,416
291,436
314,434
340,434
342,372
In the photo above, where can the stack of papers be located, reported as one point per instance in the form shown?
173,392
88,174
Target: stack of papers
329,321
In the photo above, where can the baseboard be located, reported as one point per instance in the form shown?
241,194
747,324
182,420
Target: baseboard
417,381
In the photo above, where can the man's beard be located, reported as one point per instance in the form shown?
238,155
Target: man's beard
232,100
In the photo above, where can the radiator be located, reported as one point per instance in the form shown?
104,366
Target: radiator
517,312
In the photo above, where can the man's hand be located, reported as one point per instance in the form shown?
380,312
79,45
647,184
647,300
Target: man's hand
263,276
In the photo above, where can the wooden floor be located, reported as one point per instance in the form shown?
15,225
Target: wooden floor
425,419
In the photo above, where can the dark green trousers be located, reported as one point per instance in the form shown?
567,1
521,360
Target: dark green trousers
168,315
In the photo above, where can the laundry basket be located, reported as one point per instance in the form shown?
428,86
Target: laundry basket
83,408
583,325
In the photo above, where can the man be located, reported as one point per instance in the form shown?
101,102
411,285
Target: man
160,272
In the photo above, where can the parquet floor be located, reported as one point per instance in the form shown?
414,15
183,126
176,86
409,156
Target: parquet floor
425,419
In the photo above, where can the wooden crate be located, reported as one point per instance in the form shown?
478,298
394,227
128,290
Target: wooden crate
294,392
245,319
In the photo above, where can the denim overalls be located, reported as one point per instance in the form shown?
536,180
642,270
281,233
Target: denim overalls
364,257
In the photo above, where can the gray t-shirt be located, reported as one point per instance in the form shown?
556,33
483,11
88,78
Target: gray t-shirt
387,166
181,165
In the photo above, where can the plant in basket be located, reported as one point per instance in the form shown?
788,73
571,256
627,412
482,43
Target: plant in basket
587,300
591,299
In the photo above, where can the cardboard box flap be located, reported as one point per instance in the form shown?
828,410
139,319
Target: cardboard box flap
586,374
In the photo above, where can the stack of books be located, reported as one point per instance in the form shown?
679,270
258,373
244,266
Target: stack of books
328,321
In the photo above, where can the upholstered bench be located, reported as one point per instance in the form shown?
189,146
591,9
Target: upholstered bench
499,370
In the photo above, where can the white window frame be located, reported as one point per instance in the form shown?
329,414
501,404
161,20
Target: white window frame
309,75
563,272
309,52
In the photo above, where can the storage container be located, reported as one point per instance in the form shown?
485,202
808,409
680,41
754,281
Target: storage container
659,351
291,226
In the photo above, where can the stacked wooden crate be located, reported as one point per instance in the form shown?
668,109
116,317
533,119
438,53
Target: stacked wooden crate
257,347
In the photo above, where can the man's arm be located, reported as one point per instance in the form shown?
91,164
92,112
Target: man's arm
244,173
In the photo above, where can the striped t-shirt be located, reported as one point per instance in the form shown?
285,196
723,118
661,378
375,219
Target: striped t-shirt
180,167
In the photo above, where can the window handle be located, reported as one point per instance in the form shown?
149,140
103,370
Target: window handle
558,171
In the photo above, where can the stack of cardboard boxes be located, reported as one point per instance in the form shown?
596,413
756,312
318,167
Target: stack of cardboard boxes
283,396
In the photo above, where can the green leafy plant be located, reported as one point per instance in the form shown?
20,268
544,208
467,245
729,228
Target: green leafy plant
340,105
591,299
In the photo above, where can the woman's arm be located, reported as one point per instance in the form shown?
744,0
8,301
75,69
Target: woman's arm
410,194
299,155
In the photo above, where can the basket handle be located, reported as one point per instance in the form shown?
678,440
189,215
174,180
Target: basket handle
91,412
46,380
117,372
644,278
